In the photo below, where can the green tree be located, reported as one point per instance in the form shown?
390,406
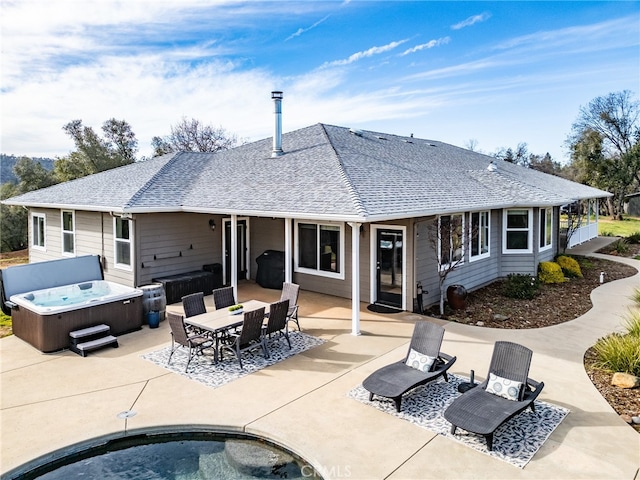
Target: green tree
546,164
32,175
13,220
94,154
193,136
519,156
604,146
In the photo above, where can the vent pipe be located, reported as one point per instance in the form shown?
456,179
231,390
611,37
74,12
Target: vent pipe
277,134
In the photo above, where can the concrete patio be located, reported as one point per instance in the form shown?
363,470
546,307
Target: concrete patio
50,401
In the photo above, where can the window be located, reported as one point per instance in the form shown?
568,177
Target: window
479,235
319,249
517,231
122,242
37,231
451,245
546,228
68,232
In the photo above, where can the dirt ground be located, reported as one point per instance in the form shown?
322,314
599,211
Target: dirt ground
14,258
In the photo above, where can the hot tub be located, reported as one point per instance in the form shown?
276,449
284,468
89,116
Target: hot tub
43,317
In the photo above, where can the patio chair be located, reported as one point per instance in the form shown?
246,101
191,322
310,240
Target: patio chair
290,292
278,323
223,297
507,391
181,338
423,363
252,335
193,304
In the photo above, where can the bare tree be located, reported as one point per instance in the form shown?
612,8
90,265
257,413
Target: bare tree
573,222
605,149
471,144
193,136
449,236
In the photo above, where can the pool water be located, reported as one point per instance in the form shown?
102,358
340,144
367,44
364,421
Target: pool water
165,457
69,295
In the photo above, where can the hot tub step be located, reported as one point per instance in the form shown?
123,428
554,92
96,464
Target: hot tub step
89,332
91,338
84,347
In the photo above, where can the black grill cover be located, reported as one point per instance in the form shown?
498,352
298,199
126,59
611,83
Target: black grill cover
270,269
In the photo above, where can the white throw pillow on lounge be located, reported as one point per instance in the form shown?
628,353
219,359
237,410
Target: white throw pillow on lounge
503,387
420,361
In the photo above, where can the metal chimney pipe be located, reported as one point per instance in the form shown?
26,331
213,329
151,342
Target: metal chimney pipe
277,134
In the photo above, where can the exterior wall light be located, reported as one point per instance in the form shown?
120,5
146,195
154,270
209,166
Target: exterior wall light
212,224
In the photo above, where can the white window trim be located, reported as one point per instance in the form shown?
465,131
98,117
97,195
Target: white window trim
123,266
42,216
549,212
507,251
317,272
480,256
72,232
460,262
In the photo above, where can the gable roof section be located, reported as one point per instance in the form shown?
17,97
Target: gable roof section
326,172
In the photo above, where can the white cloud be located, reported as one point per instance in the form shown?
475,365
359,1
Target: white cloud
482,17
428,45
364,54
300,31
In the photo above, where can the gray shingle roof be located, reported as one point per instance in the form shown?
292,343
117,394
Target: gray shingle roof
326,172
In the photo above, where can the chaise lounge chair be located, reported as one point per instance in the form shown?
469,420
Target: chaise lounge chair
396,379
507,391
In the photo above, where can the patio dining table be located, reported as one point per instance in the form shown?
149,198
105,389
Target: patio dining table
217,322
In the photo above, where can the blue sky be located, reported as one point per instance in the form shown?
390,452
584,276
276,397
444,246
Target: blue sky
497,73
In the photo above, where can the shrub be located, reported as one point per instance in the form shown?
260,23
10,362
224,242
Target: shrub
632,322
636,296
619,353
621,247
634,237
570,266
521,286
585,263
550,272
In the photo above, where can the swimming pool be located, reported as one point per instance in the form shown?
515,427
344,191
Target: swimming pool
188,455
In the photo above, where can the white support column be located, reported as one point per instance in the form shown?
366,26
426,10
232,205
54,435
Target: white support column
233,261
288,254
355,277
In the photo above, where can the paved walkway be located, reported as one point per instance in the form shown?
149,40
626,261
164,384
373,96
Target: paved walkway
53,401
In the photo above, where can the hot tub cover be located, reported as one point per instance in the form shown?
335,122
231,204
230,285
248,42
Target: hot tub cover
40,275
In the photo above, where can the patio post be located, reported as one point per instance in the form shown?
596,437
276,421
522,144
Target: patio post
355,277
288,277
234,255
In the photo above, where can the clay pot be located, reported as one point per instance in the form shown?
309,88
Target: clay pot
457,297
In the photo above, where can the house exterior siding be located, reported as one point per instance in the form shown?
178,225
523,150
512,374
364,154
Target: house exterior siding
172,243
471,275
53,248
93,236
